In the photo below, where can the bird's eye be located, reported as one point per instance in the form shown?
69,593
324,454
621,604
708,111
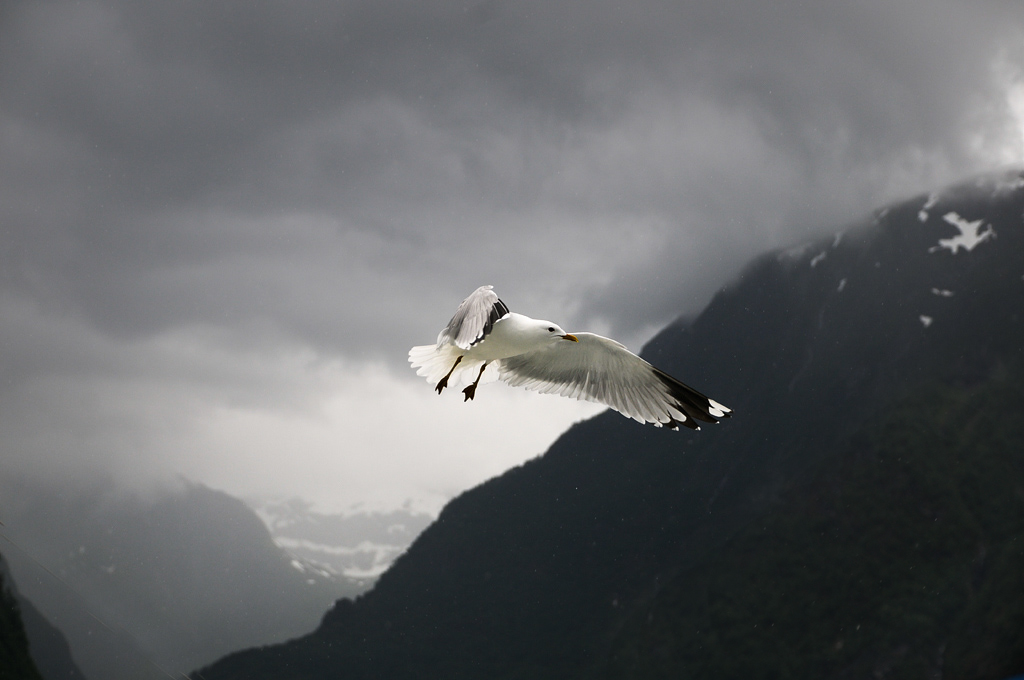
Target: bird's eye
551,329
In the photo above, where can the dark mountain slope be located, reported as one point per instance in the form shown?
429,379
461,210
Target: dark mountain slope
15,660
550,570
48,646
901,557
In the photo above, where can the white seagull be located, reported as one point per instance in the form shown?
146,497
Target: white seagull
539,355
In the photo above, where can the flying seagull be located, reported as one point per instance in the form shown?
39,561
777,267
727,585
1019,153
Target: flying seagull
539,355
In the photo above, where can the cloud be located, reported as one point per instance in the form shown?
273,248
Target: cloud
213,208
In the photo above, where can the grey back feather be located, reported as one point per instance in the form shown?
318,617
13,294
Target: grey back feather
474,319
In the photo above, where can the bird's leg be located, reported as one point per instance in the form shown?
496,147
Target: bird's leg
470,391
443,383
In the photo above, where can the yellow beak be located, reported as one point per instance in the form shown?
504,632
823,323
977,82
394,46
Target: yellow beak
570,336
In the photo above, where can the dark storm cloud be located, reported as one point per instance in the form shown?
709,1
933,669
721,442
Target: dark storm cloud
418,121
258,179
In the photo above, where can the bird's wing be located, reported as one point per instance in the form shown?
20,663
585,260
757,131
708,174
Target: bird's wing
474,318
601,370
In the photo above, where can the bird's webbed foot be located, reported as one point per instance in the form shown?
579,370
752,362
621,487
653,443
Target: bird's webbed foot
443,382
470,391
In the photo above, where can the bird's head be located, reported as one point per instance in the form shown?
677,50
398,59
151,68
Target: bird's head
553,331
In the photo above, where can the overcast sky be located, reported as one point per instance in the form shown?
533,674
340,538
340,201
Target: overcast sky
223,224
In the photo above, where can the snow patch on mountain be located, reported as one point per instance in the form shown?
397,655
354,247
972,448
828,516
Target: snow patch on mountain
366,560
969,237
928,204
359,546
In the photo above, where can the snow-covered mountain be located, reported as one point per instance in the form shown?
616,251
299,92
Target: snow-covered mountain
358,545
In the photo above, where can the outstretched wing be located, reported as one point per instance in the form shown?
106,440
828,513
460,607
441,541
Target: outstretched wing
601,370
474,318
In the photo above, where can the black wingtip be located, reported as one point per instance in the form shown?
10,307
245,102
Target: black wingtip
688,401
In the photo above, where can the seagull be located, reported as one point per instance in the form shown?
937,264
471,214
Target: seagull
538,355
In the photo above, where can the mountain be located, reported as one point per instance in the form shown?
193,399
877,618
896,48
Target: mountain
46,645
16,662
359,545
147,587
49,647
862,514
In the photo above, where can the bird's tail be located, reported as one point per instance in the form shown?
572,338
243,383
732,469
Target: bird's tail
433,362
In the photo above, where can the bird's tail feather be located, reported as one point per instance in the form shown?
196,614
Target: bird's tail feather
434,361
